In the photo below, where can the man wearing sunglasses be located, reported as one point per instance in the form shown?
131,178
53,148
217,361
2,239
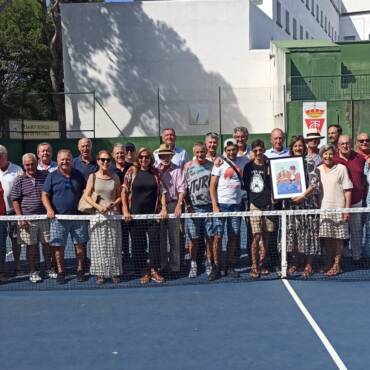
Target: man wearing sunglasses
61,193
363,145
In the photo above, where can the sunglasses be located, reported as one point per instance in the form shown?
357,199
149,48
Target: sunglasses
105,159
362,141
144,157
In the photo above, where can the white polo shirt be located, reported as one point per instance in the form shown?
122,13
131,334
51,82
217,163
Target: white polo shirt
7,179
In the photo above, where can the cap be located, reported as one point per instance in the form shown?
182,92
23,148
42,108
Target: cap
129,146
230,141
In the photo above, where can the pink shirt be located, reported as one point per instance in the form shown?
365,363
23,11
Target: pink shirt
173,181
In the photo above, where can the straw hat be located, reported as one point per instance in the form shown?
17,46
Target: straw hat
313,133
164,149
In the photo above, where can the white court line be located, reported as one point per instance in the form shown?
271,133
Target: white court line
325,341
9,253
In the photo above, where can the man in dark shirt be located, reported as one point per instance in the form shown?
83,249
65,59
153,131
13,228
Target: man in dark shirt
85,162
257,180
355,165
62,191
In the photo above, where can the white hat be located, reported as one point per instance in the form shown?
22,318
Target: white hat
313,133
229,142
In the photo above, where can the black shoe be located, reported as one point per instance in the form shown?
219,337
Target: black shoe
232,273
80,276
215,273
60,278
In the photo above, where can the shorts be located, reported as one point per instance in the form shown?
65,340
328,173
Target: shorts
197,227
59,230
259,224
233,223
37,231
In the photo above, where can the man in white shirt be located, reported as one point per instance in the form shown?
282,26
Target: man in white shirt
277,141
226,196
180,156
44,155
8,174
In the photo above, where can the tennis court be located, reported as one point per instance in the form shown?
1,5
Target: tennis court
215,326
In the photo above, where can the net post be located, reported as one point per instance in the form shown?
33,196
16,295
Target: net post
284,261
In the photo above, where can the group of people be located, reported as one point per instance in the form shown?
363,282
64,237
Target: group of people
130,182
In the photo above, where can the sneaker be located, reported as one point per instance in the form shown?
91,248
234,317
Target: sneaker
51,274
61,278
35,277
156,277
80,276
208,266
232,273
193,273
215,273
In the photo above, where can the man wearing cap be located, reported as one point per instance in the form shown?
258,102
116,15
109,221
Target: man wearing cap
180,156
226,196
277,140
312,139
85,163
173,181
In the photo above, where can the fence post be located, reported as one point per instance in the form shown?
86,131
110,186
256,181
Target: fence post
284,260
159,114
220,116
94,123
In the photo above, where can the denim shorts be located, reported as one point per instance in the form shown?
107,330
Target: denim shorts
233,223
197,227
59,230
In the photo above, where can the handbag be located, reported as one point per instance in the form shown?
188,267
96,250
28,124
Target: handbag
84,206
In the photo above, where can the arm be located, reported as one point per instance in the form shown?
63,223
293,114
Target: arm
213,193
163,212
18,211
178,208
118,188
347,203
45,198
125,208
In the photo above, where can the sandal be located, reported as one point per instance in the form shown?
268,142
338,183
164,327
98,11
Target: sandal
307,272
254,274
145,279
293,269
263,270
334,271
100,280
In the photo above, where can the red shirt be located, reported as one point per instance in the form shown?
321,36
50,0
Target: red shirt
2,203
355,165
363,154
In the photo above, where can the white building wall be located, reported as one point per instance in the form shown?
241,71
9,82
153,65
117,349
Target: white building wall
355,27
349,6
186,49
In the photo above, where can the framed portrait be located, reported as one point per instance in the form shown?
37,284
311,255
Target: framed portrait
288,177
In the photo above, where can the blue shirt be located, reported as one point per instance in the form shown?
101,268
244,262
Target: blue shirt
272,153
85,168
65,192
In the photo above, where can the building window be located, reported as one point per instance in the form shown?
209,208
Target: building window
321,19
307,35
294,29
287,23
317,13
349,38
278,14
335,37
301,32
329,29
326,24
313,7
308,4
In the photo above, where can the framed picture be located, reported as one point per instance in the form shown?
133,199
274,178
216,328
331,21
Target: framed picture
288,177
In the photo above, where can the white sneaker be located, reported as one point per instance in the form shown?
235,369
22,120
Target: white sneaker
208,266
193,273
51,274
35,277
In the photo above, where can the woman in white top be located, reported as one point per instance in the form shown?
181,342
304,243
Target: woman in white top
336,190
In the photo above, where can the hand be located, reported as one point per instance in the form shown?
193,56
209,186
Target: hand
216,209
218,162
163,214
299,199
127,216
50,213
24,224
102,209
177,211
345,216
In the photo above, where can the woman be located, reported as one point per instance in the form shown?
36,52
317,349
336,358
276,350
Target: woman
106,236
143,193
302,230
337,187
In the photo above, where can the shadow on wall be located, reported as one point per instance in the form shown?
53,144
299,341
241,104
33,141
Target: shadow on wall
150,56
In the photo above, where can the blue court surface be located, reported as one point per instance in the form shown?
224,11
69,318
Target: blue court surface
247,325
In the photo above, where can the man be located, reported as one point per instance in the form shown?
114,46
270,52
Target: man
85,163
62,191
8,174
180,156
334,131
355,165
226,196
363,145
26,197
312,139
257,179
197,175
241,136
173,181
211,142
277,141
124,158
44,155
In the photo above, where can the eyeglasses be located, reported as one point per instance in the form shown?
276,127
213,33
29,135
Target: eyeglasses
144,157
363,141
105,159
